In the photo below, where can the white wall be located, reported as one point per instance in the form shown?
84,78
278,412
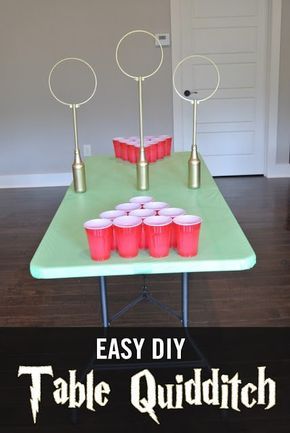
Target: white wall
283,136
35,130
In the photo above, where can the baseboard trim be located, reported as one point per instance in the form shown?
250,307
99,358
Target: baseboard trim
278,170
35,180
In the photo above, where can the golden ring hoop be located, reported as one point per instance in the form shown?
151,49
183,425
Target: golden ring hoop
117,52
200,57
70,103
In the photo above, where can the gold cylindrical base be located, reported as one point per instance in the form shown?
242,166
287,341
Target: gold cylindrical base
142,175
79,177
193,173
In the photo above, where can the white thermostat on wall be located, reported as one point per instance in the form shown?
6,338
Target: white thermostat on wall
164,39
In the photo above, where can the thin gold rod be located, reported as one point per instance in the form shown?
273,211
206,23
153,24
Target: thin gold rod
140,98
194,162
142,165
77,149
194,112
78,167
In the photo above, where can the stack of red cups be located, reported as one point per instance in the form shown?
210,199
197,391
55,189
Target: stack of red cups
143,224
156,148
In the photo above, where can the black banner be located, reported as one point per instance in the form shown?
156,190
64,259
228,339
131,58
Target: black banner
171,380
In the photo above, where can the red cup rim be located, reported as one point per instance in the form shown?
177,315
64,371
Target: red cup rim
127,221
170,211
112,214
97,224
142,213
187,220
157,220
156,205
128,206
141,199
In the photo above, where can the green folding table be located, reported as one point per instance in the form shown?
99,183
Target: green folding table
63,251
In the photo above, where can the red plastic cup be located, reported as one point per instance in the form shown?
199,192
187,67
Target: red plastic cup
141,199
158,233
133,149
111,215
132,155
167,145
147,154
172,212
153,150
128,235
124,149
187,228
156,206
127,207
137,150
117,146
99,233
147,146
161,148
134,139
142,213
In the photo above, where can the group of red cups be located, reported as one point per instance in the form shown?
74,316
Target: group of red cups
143,224
156,147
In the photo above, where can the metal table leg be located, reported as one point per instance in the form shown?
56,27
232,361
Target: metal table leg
184,299
104,303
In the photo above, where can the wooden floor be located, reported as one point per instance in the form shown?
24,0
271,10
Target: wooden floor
259,297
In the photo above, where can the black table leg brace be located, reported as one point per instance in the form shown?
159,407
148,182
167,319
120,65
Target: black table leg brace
145,295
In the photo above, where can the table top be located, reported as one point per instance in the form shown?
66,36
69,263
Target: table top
63,251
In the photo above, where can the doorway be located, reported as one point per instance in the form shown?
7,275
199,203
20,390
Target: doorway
231,125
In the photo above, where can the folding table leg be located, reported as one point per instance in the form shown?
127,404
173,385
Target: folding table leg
184,299
104,303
